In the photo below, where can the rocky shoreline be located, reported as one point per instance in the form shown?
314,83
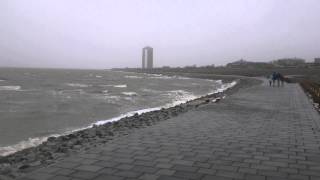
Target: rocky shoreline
55,148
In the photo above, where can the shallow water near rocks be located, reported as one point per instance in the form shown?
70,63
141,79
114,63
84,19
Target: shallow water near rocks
37,103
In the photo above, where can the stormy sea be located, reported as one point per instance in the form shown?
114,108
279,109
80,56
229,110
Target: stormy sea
38,103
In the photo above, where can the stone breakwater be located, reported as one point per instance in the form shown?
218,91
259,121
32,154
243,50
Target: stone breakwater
56,148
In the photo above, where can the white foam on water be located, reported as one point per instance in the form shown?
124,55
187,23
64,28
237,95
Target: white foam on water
31,142
116,86
97,76
120,86
1,80
129,93
112,99
77,85
71,91
10,88
129,114
179,97
183,78
159,76
224,87
183,95
133,77
150,90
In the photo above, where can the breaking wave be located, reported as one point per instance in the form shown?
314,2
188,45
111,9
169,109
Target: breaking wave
134,77
4,151
120,86
129,93
116,86
77,85
10,88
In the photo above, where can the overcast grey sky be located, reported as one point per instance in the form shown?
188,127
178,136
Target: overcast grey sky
111,33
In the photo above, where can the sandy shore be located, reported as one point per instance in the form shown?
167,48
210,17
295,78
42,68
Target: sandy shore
56,148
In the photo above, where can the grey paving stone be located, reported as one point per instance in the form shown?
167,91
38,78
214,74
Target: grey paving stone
275,178
145,169
123,160
254,177
110,164
88,161
49,169
188,175
247,170
168,172
169,178
230,174
90,168
164,165
108,177
144,163
310,172
84,175
207,171
314,178
128,174
185,168
182,162
39,176
202,165
212,177
225,167
273,173
149,177
263,167
69,165
298,177
59,177
289,170
275,163
107,170
64,172
124,166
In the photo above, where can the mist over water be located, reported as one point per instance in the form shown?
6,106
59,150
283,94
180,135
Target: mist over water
36,103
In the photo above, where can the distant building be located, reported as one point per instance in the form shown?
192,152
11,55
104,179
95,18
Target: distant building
248,64
317,60
238,63
147,57
289,62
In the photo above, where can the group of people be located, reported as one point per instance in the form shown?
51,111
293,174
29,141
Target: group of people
276,77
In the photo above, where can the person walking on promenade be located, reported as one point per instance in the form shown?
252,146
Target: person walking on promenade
282,78
269,77
278,79
274,77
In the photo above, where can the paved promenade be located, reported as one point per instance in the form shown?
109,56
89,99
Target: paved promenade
258,133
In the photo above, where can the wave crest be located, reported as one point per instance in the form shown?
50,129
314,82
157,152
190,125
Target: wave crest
134,77
10,88
129,93
77,85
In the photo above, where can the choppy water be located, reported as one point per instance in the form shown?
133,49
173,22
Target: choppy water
37,103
